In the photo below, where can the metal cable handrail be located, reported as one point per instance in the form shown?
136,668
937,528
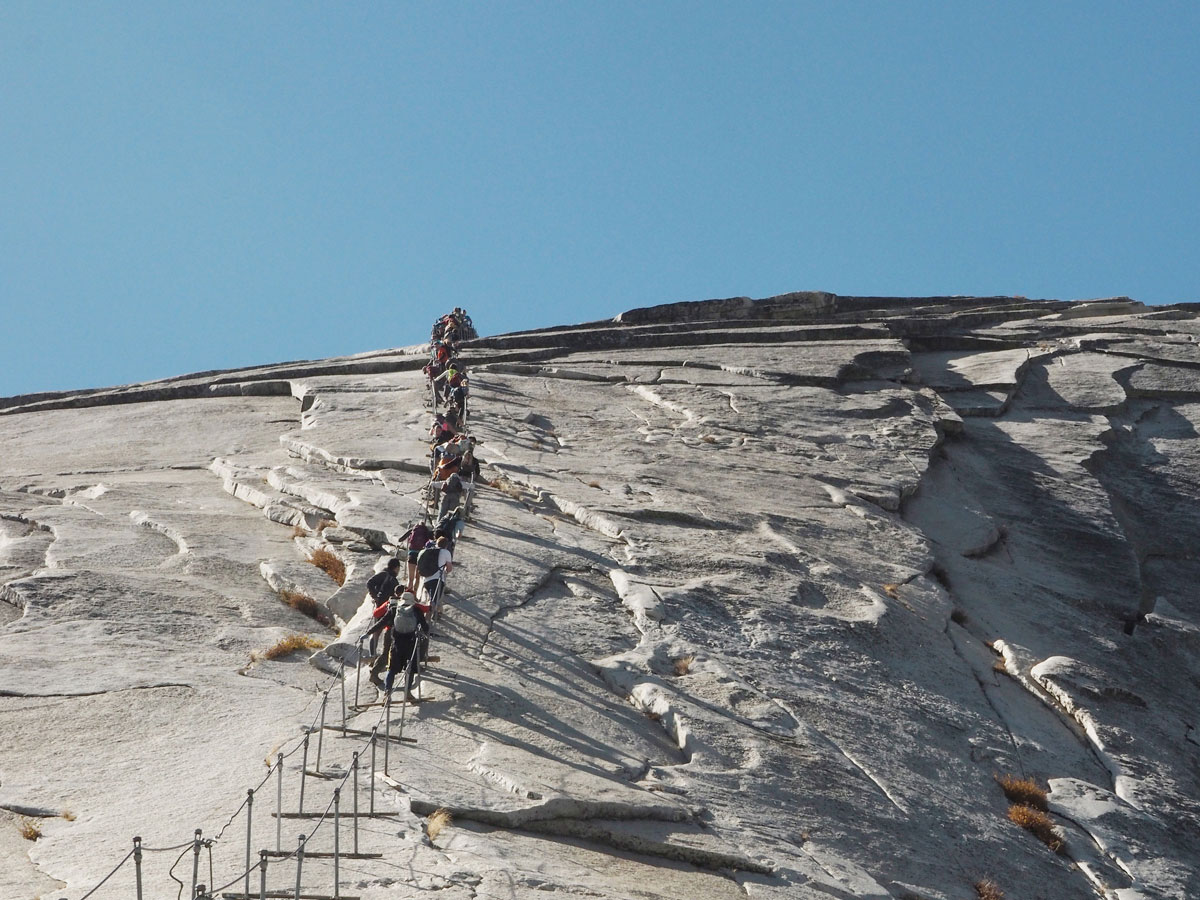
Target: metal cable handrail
116,868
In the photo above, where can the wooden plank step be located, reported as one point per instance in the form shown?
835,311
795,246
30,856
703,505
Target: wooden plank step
321,854
356,732
317,815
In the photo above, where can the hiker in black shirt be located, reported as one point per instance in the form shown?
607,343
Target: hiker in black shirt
384,585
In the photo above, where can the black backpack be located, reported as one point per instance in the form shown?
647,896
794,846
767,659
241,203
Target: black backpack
427,562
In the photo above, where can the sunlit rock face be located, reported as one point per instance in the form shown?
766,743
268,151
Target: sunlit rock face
762,599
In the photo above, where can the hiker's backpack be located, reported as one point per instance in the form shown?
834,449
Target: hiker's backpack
448,526
427,562
404,621
446,467
419,536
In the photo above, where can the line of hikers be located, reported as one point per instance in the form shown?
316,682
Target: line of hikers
405,613
448,377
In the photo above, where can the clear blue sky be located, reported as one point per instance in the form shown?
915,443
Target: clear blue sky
188,186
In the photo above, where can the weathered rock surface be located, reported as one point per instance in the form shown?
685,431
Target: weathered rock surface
762,597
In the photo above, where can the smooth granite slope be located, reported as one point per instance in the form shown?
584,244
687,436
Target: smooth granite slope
761,599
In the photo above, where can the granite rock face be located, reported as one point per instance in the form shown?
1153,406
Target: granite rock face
762,598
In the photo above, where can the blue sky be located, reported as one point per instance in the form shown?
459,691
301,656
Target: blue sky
188,186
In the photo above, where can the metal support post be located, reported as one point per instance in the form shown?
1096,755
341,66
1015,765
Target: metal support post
354,766
374,735
249,828
299,864
409,670
337,845
343,698
278,801
196,859
137,865
387,725
303,770
262,875
321,731
358,661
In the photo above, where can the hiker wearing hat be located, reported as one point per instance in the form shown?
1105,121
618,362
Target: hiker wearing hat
408,623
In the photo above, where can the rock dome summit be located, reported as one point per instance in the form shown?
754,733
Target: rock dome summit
806,597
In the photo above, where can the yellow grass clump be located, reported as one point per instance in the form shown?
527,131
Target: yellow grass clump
509,487
988,890
329,564
683,664
892,590
29,828
1038,824
290,644
1025,791
304,604
437,821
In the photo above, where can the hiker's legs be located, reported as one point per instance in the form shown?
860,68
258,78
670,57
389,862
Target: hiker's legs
402,658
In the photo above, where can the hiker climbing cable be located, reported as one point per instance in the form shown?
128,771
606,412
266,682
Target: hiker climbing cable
405,620
384,585
452,492
417,537
433,564
468,469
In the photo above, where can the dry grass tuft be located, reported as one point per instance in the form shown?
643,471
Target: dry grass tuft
988,890
892,590
652,716
436,822
1000,667
290,644
1025,791
325,523
594,484
1038,824
304,604
509,487
29,828
708,439
683,664
299,531
329,564
958,616
68,815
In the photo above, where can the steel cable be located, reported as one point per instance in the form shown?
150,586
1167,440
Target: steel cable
171,873
168,849
108,876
